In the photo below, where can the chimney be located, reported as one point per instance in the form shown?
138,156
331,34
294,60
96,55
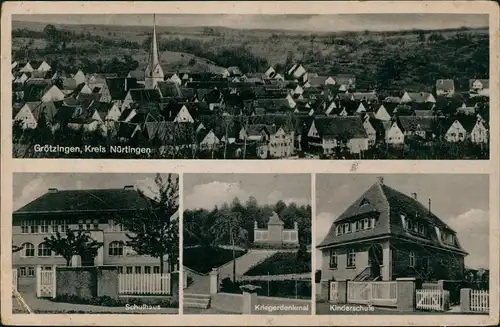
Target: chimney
414,196
129,187
53,190
430,201
380,180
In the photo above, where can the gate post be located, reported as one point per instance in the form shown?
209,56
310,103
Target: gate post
406,294
38,281
465,300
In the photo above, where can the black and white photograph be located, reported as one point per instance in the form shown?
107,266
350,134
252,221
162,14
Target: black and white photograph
253,86
408,244
247,244
95,243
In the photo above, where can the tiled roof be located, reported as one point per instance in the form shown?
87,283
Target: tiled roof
61,201
351,127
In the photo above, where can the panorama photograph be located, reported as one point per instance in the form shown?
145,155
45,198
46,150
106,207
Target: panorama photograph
227,86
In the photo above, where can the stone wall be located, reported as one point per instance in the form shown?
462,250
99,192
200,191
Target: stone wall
76,281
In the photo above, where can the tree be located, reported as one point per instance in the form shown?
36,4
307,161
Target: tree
227,227
16,248
73,243
155,230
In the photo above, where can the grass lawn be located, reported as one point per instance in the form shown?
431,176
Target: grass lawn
282,263
204,259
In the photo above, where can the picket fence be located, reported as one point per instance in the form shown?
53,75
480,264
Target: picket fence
432,299
376,293
14,280
479,301
142,284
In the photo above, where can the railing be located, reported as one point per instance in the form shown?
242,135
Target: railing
137,284
432,299
479,301
376,293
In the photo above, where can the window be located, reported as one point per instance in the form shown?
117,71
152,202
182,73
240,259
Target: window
138,269
28,250
421,229
22,272
55,227
412,259
31,271
147,269
87,224
44,226
114,227
43,250
337,230
409,224
120,270
333,260
25,227
64,226
129,269
156,269
80,224
351,258
47,268
33,227
96,224
115,248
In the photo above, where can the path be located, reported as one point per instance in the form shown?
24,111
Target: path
199,285
245,262
42,305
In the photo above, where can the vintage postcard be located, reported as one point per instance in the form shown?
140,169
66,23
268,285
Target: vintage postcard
146,173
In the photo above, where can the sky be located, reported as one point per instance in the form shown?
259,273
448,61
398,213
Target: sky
208,190
462,201
325,23
29,186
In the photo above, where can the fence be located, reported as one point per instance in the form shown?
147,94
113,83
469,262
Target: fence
432,299
376,293
14,280
144,284
479,301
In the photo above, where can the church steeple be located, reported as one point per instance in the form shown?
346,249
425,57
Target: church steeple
153,73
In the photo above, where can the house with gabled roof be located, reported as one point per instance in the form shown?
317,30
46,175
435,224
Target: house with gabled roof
386,111
179,113
140,96
466,128
25,115
445,87
386,234
332,133
119,87
417,97
424,127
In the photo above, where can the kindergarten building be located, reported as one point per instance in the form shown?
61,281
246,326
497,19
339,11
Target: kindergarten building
385,235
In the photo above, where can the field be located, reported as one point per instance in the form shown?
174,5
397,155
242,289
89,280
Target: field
386,60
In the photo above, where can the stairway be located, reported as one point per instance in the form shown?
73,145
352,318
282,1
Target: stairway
365,275
201,301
